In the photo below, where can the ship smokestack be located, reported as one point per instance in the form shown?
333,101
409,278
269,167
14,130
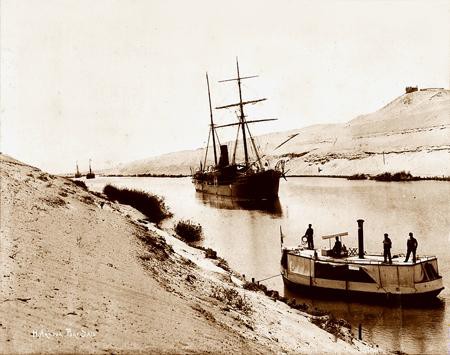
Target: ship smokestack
360,239
223,161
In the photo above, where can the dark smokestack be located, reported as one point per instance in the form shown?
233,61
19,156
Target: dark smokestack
223,161
360,239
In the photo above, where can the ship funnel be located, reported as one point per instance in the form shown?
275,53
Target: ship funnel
360,239
224,161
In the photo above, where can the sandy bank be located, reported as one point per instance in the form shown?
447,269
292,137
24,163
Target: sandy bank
79,274
411,133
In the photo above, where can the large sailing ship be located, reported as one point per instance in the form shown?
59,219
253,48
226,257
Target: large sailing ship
252,178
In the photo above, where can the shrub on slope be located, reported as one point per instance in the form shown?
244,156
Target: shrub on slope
150,205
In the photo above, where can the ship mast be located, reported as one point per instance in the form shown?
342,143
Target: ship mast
242,118
242,121
212,122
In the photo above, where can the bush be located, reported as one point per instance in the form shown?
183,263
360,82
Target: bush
222,263
152,206
400,176
358,177
231,298
80,184
252,286
189,231
340,328
210,253
43,177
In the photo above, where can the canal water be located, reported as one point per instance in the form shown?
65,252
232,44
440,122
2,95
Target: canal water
248,237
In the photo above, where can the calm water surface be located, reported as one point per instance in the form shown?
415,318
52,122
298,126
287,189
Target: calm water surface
247,236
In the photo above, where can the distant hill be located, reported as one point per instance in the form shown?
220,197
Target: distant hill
411,133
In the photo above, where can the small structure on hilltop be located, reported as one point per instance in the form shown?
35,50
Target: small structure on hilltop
409,89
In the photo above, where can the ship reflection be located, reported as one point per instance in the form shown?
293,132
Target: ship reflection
271,207
409,328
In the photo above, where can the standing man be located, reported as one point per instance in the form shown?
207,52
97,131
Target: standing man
411,246
337,249
387,244
309,237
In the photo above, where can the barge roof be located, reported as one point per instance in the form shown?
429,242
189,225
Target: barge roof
369,259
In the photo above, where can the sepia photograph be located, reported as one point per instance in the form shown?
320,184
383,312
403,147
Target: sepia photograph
224,177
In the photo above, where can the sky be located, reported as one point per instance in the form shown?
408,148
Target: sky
117,81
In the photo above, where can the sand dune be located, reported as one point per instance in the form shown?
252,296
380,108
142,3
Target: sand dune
411,133
82,275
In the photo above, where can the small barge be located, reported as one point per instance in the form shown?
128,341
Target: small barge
355,273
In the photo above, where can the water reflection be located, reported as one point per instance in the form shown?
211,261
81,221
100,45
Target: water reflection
249,239
271,207
393,327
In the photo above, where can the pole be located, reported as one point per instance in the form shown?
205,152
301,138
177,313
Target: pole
255,149
241,106
212,122
281,238
360,239
207,146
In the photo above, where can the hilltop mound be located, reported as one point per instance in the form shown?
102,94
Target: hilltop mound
421,109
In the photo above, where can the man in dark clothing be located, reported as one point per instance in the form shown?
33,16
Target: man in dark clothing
309,237
411,246
337,249
387,244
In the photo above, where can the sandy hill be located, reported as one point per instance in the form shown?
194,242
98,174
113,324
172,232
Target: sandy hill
79,274
411,133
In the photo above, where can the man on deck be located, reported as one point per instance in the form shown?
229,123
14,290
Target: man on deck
387,245
411,246
337,248
309,237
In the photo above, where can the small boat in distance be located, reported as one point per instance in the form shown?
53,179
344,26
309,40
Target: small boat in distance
90,174
77,174
250,179
356,273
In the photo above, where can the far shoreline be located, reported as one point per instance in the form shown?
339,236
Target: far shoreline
348,177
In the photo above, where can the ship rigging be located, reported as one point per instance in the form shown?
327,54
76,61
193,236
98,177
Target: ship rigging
249,179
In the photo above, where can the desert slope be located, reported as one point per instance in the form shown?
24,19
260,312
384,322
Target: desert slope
411,133
82,275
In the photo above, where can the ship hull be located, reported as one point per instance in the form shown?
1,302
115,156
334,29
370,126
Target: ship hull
365,279
259,185
342,294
